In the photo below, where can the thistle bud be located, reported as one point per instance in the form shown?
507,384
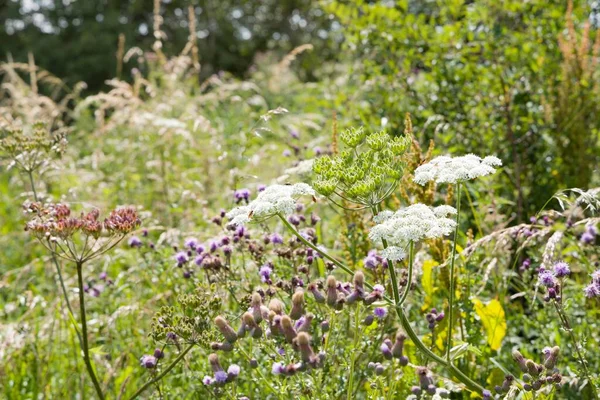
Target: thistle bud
551,356
398,344
532,368
319,298
213,360
379,369
303,342
276,306
306,324
508,380
520,360
256,304
424,378
368,321
359,281
332,295
297,305
251,326
288,329
226,329
386,351
325,326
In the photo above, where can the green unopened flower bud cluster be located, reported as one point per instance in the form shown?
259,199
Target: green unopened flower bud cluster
366,171
32,149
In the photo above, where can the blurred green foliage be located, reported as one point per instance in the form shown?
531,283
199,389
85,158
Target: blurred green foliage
510,78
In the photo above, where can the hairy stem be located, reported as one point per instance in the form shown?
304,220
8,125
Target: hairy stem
567,327
453,278
84,333
163,373
411,260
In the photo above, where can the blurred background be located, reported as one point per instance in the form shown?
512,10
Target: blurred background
514,78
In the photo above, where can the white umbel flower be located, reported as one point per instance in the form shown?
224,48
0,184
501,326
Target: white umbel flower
412,224
446,169
275,199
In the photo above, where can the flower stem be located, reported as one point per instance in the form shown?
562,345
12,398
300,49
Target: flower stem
84,343
567,327
163,373
453,278
411,260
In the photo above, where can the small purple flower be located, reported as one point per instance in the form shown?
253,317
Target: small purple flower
261,187
487,395
241,195
370,262
380,312
103,275
198,260
294,133
318,151
547,278
213,246
278,368
294,220
191,243
265,273
134,241
379,289
181,258
281,351
561,269
158,353
220,376
227,250
587,238
592,290
287,153
208,380
276,239
233,370
148,361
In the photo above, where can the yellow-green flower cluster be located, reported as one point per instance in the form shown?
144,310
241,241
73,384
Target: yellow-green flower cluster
367,171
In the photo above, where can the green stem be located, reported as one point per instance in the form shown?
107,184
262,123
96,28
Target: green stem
453,278
163,373
84,344
411,260
567,327
353,360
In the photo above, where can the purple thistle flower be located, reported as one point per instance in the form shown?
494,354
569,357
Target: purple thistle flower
261,187
158,353
278,368
561,269
227,250
587,238
181,258
265,273
287,153
276,239
233,370
134,241
220,376
241,195
379,289
380,312
191,243
213,246
198,260
370,262
294,220
318,151
547,278
208,380
148,361
294,133
592,290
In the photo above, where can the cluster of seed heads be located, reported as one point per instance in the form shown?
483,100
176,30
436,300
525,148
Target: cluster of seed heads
535,375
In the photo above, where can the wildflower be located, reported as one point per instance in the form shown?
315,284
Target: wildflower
547,278
241,195
276,239
158,353
398,347
380,312
412,224
550,356
233,371
386,349
191,243
148,361
278,368
591,290
561,269
227,250
287,153
446,169
265,273
208,380
275,199
220,377
225,329
370,261
134,241
181,258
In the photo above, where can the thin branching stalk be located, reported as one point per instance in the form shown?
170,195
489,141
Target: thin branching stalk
453,278
411,260
84,333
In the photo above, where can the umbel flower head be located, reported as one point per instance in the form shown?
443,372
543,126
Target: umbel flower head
365,173
79,238
446,169
275,199
411,224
